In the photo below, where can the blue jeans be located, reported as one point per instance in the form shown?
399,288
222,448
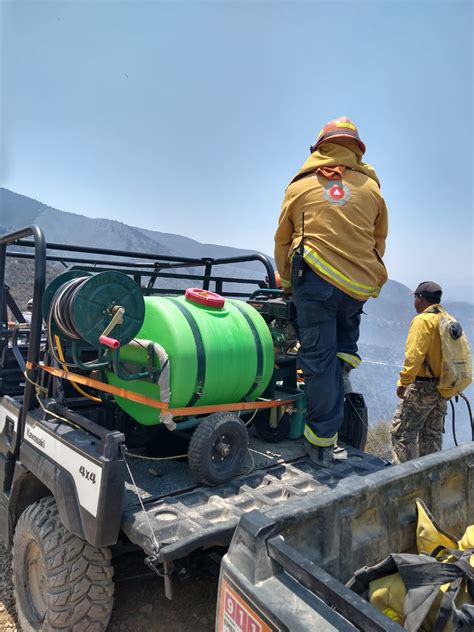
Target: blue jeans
328,323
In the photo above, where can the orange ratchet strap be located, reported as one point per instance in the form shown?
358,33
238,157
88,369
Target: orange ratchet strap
153,403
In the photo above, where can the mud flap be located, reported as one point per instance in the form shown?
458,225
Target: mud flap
353,430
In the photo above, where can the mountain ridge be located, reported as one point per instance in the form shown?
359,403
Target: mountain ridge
24,211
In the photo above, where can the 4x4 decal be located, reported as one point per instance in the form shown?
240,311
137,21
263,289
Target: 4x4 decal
89,476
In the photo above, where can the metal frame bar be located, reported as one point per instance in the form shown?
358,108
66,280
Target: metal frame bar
39,245
152,270
11,304
329,589
168,275
205,261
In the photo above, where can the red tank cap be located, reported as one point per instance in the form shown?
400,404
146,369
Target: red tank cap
204,297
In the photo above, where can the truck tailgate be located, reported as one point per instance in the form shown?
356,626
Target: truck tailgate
315,543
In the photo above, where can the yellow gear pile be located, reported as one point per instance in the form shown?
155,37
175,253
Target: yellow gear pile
432,591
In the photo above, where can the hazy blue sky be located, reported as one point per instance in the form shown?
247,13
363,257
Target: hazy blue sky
191,117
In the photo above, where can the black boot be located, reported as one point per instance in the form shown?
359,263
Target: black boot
319,455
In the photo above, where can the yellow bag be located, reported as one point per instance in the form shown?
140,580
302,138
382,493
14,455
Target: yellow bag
456,360
394,595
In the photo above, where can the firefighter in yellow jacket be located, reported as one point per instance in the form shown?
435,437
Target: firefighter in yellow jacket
329,246
418,423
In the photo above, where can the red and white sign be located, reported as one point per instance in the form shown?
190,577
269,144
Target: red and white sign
336,192
236,615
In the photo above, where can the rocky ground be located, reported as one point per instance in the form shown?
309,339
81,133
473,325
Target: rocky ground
7,611
140,603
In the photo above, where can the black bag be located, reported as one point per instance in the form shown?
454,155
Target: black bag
355,423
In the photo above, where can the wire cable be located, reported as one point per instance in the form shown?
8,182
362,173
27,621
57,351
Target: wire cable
41,389
134,455
75,386
252,466
453,422
156,544
469,412
247,423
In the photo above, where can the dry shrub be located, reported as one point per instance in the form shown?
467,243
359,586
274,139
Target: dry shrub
379,441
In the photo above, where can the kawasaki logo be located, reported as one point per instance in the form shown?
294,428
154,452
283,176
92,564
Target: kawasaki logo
35,438
86,473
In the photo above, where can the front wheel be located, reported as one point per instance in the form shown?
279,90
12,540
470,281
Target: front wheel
218,448
60,581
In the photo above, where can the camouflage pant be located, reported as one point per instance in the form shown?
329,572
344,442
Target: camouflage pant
418,423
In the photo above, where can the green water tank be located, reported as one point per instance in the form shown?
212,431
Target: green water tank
218,353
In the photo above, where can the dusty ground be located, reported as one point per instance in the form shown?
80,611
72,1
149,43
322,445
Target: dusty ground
140,604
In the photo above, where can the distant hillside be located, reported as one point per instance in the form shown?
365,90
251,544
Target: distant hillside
58,226
384,326
19,277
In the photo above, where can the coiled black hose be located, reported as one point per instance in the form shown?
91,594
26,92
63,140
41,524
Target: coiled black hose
62,307
61,311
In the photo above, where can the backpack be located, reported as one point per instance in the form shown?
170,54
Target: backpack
456,360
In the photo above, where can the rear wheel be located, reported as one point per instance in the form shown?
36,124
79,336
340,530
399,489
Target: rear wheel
60,581
218,448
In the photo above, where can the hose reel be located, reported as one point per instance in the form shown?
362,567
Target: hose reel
105,310
84,306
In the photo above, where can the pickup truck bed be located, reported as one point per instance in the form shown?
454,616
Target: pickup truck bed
286,567
185,516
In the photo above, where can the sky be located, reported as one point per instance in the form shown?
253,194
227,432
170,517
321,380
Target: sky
192,117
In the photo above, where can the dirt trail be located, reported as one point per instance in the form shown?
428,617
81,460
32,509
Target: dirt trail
140,604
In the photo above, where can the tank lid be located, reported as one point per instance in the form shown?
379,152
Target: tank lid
204,297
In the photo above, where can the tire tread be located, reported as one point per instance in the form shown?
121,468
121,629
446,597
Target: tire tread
200,441
79,577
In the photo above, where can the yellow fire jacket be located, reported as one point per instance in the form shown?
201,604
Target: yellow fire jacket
423,342
345,224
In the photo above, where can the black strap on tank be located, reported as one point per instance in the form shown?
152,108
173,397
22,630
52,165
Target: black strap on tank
258,348
201,356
